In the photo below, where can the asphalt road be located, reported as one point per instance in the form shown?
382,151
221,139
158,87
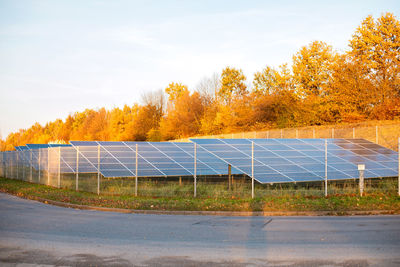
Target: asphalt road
40,234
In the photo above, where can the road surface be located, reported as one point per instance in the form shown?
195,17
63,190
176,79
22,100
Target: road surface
33,233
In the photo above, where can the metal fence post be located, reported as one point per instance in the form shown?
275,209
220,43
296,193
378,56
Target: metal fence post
195,170
297,134
252,169
267,134
59,168
23,164
281,133
77,170
376,134
326,168
17,163
313,132
31,167
39,165
333,132
48,166
398,174
136,171
354,133
98,169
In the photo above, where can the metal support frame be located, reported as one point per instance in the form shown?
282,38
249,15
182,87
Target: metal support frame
39,166
195,171
136,171
59,168
77,170
229,176
326,168
98,169
252,169
48,166
17,161
31,167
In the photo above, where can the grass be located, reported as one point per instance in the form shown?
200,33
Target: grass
380,195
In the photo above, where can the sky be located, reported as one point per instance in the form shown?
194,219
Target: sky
60,57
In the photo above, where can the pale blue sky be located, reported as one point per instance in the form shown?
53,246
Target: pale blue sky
59,57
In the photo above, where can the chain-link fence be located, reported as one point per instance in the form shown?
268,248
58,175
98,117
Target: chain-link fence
385,135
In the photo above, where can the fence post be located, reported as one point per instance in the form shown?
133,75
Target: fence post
48,166
267,134
326,168
354,133
398,174
17,163
333,132
39,165
376,134
297,134
23,164
229,176
98,169
361,168
252,169
313,132
59,168
281,133
195,170
136,170
77,170
31,167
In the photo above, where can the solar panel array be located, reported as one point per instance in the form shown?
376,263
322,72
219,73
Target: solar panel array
155,159
297,160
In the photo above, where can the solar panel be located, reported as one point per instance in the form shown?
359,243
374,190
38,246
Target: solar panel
297,160
155,159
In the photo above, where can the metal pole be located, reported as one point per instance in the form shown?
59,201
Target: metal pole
281,133
31,167
326,168
59,168
229,176
39,165
267,134
136,170
98,169
398,184
354,133
313,132
333,132
23,165
77,170
48,166
255,135
195,170
252,169
17,152
297,134
376,134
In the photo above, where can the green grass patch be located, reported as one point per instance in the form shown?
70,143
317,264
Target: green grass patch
373,200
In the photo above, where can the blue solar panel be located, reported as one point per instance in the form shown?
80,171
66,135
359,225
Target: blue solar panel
292,160
118,159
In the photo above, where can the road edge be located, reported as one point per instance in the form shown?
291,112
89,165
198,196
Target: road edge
209,213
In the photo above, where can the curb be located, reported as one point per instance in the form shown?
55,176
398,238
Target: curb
216,213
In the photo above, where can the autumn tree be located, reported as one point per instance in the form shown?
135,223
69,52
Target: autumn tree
184,118
175,90
272,81
232,84
375,47
312,68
